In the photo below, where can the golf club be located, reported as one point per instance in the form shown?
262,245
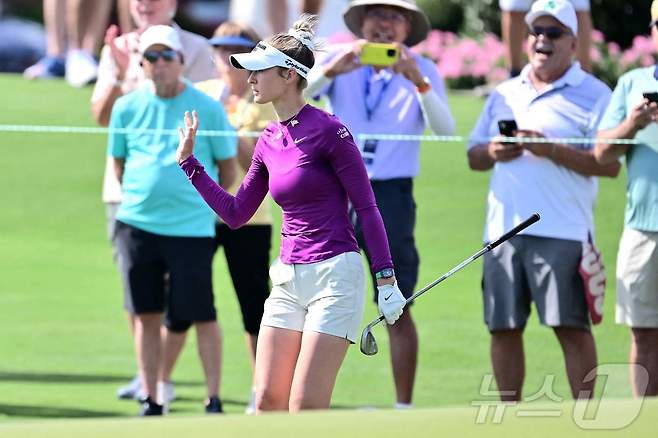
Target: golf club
368,342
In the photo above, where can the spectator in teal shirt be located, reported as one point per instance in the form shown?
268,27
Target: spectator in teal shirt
631,115
164,229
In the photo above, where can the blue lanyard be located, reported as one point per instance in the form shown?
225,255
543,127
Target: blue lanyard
369,71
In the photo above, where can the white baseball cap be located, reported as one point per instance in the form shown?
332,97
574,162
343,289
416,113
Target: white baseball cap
561,10
264,56
160,34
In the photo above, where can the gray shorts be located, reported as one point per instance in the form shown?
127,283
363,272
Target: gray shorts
534,269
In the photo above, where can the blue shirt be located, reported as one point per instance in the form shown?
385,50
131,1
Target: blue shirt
396,111
571,107
641,159
156,196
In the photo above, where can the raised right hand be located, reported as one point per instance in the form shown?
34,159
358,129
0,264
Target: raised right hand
346,61
121,55
187,136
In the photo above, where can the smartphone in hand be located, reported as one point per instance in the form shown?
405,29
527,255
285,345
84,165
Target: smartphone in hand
379,54
507,127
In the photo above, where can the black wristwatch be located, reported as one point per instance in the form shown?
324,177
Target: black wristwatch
385,273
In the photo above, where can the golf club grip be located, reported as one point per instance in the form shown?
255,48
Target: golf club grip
514,231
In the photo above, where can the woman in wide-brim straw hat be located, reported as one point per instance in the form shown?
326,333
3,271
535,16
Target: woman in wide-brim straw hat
405,98
418,22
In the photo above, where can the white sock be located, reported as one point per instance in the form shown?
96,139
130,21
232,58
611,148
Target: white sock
399,405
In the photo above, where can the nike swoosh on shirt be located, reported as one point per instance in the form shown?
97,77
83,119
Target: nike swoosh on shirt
298,140
386,298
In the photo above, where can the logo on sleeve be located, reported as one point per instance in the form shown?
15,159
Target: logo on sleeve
343,132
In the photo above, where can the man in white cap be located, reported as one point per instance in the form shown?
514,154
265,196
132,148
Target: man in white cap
513,30
163,228
120,72
633,115
404,98
552,97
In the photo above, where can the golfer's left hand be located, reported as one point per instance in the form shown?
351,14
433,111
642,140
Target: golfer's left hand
390,302
187,136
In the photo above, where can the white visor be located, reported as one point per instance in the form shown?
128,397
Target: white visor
264,56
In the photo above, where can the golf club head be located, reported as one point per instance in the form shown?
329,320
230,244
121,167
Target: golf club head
368,343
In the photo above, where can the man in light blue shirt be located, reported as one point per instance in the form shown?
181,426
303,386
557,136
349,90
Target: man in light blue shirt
164,229
405,98
632,115
552,97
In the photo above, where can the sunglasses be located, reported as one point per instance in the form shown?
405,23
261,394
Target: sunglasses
386,15
550,32
152,56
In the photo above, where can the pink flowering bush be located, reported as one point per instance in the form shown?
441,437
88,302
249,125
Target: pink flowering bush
465,62
609,62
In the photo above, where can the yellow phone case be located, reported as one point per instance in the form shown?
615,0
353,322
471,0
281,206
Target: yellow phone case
379,54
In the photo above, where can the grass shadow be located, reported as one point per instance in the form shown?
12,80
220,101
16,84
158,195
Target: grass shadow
36,377
51,412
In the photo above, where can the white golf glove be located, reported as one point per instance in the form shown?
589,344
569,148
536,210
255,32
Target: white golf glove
390,302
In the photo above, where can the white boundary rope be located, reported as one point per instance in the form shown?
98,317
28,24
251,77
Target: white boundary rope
51,129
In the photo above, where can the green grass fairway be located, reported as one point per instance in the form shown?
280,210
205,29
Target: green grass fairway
65,345
425,422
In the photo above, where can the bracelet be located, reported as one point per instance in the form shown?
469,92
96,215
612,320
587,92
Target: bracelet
117,82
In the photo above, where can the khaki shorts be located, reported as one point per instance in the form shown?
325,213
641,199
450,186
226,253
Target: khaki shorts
524,5
637,279
325,297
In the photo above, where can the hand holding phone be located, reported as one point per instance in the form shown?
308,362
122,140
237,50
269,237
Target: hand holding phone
651,96
379,54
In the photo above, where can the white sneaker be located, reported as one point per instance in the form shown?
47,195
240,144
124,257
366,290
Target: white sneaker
251,406
403,406
132,390
166,393
81,68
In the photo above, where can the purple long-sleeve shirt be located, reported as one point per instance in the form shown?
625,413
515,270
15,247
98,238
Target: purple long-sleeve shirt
311,166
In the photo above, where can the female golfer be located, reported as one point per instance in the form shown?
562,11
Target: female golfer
311,165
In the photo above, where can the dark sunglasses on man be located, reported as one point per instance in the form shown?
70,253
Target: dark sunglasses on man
152,56
550,32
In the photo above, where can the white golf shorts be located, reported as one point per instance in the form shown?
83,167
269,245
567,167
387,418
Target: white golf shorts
524,5
325,297
637,279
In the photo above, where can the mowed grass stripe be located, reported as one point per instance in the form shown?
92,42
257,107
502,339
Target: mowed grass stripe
382,423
